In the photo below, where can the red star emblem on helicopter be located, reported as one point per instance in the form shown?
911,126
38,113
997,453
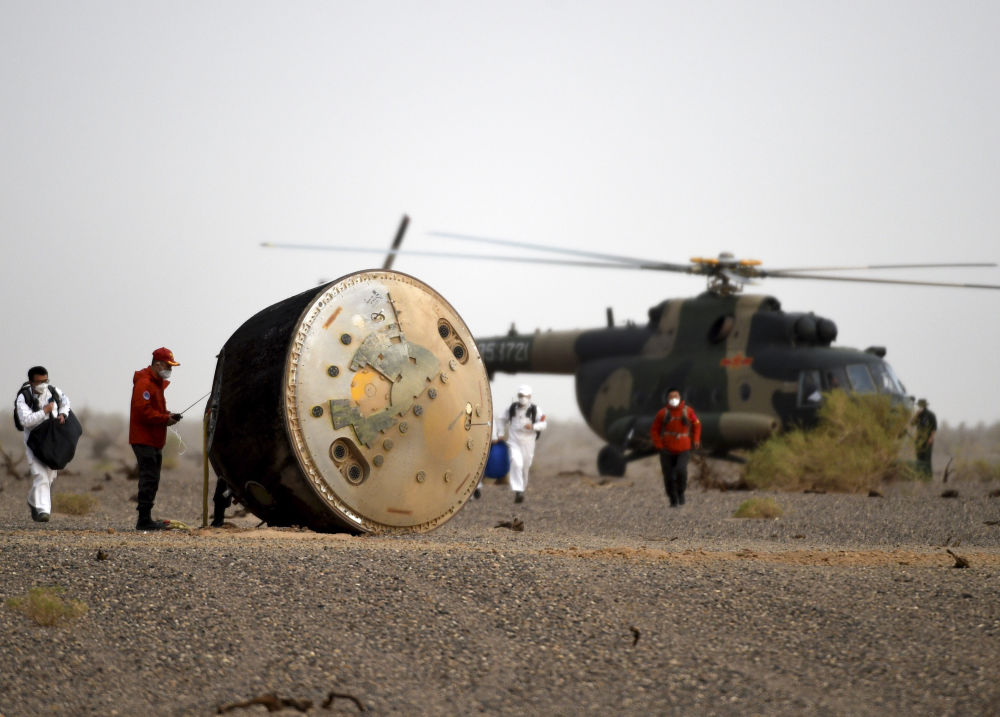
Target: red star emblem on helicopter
736,361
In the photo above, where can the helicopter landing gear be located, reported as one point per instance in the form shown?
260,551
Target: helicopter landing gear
611,461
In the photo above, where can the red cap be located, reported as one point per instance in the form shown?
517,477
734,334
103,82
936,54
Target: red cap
165,354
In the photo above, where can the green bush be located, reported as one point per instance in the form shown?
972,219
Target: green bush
759,508
45,606
856,446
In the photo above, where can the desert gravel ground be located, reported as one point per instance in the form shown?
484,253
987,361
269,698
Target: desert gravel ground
608,602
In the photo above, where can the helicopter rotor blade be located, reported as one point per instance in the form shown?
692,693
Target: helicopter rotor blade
391,256
629,260
957,265
882,281
733,275
464,255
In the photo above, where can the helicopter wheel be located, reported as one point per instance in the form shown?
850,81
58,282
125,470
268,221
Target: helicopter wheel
611,461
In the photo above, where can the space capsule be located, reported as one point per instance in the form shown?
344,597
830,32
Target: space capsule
362,405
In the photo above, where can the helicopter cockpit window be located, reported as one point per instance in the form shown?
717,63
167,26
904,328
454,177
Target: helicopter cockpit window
834,378
861,380
895,378
810,392
885,380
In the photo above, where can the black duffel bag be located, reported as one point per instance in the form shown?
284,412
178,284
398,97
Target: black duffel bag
54,443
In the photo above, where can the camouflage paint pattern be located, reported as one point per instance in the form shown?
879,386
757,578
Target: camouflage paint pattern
738,360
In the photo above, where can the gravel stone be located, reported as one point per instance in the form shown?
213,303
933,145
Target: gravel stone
608,602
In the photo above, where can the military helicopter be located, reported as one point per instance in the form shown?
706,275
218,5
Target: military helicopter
749,367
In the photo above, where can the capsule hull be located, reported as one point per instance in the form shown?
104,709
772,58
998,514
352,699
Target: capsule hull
362,406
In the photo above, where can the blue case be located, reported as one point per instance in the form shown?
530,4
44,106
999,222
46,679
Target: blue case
498,464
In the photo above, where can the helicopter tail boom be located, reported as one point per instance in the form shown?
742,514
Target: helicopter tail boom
550,352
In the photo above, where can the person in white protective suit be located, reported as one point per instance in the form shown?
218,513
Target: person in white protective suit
36,403
520,425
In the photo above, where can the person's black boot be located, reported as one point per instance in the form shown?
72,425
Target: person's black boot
519,496
146,521
150,524
219,517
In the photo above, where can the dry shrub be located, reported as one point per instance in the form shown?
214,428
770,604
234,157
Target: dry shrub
853,449
758,508
10,465
104,432
45,606
968,443
977,469
73,503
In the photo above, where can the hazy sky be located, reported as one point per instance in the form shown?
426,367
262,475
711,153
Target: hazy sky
148,148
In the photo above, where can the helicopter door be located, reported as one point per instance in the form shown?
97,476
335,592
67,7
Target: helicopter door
861,380
810,392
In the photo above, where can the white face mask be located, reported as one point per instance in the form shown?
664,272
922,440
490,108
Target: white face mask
523,400
165,373
674,402
40,388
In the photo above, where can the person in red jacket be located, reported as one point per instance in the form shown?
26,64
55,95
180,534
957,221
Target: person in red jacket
147,431
675,430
